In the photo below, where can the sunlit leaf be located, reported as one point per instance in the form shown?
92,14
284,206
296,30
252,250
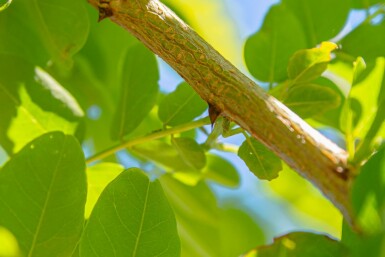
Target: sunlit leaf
135,219
180,106
43,30
221,171
302,244
268,51
21,113
43,192
98,177
139,89
9,246
307,65
260,160
310,99
321,19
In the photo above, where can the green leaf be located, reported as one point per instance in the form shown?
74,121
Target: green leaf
260,160
221,171
366,40
167,157
330,117
268,51
301,244
307,65
321,19
43,30
197,214
98,177
368,194
180,106
139,89
238,232
190,151
365,4
43,193
131,218
308,100
22,112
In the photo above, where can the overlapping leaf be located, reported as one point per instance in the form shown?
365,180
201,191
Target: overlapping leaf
139,89
43,193
43,30
268,51
131,218
321,19
308,100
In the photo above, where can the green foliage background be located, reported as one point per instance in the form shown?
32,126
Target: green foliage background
71,87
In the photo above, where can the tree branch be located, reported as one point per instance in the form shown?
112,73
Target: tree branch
237,97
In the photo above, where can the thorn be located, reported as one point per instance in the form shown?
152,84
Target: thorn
104,10
213,114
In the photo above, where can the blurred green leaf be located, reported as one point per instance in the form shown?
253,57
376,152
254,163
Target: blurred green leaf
221,171
139,89
197,215
308,100
366,40
238,232
43,191
162,153
321,19
167,157
368,194
190,151
180,106
368,199
365,4
260,160
268,51
301,244
135,219
43,30
98,177
366,91
307,65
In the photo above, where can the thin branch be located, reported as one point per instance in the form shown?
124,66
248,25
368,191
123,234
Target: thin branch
236,96
147,138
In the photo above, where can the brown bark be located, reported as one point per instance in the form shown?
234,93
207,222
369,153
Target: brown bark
237,97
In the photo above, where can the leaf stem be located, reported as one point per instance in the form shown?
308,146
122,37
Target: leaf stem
140,140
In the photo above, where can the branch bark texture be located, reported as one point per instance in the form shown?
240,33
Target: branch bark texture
236,96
